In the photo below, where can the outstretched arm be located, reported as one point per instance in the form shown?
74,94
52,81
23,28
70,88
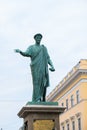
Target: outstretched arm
22,53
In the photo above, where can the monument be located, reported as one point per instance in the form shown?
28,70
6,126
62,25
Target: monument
39,111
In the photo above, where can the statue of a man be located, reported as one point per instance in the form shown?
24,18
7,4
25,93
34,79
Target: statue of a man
39,68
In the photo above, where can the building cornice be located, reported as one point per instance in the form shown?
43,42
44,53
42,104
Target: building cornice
65,83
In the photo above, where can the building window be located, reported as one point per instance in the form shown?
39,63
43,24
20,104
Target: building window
73,125
62,104
68,127
72,101
79,123
77,96
67,104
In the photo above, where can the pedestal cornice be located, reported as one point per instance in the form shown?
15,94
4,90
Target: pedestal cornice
28,109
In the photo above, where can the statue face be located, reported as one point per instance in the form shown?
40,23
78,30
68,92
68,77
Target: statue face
38,39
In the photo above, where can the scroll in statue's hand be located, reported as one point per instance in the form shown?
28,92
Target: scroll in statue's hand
51,69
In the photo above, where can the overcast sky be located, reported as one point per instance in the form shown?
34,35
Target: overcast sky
63,24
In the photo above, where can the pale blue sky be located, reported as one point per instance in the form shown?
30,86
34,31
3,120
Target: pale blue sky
63,24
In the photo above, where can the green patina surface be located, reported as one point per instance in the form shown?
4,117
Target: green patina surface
40,60
43,103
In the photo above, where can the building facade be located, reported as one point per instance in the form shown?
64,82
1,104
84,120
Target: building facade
71,93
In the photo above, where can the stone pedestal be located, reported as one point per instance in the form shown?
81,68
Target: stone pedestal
31,113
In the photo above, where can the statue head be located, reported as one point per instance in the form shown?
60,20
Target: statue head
38,38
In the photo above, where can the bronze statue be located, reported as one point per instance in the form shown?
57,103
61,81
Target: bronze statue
39,68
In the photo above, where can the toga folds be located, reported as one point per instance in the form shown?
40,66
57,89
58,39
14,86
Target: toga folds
39,69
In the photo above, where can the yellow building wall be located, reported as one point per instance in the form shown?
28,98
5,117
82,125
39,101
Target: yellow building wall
84,90
82,87
79,84
79,110
71,86
85,115
73,113
65,90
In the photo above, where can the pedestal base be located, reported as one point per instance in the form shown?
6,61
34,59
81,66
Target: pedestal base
32,113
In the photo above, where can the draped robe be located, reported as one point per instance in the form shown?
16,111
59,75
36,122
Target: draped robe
39,69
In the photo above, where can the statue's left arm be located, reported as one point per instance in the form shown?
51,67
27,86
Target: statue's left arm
51,64
49,61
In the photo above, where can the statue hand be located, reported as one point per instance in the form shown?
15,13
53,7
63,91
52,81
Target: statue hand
17,50
52,69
